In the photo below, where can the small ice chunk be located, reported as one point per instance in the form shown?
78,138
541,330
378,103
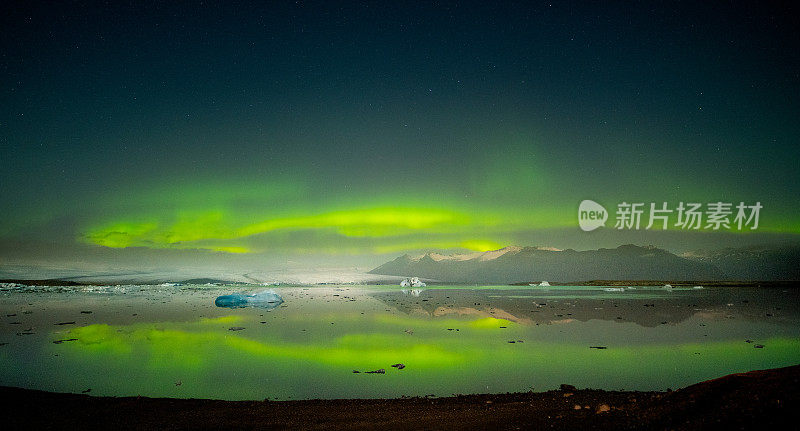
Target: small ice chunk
412,282
267,299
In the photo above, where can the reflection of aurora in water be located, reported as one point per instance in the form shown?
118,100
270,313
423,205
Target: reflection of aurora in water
451,341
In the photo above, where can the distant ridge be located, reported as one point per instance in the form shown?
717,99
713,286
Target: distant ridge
753,262
627,262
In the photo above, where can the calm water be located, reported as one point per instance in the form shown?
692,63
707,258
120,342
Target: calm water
173,341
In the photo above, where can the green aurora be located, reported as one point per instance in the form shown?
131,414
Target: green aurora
252,217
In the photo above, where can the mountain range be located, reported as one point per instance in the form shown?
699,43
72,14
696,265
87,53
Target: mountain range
627,262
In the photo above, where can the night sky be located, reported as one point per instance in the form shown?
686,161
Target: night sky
364,131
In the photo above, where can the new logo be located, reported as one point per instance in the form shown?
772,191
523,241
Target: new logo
591,215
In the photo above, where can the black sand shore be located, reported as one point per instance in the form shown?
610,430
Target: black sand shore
755,400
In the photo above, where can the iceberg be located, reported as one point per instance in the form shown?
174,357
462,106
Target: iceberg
543,284
267,299
412,282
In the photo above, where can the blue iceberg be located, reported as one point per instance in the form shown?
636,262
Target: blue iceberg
267,299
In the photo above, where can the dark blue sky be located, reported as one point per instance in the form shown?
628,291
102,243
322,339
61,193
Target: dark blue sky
186,124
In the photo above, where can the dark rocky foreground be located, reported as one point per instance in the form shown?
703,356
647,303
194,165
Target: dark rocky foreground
755,400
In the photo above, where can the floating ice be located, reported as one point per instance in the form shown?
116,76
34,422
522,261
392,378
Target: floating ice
412,282
267,299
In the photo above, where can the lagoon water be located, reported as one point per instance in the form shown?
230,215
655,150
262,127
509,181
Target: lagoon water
161,341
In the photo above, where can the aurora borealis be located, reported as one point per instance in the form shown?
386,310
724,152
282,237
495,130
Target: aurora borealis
364,130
